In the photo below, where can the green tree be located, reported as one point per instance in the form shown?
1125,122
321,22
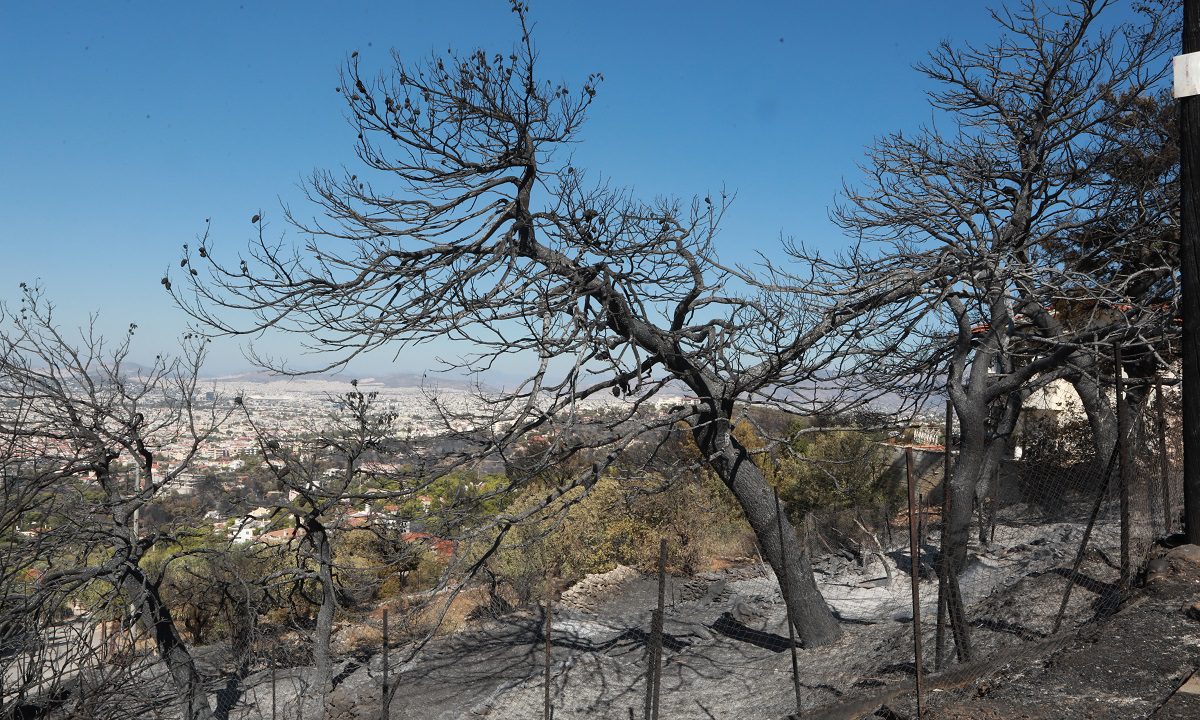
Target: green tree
834,471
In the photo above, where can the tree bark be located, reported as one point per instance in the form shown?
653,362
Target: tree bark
972,460
242,618
322,656
156,618
986,426
1100,413
808,610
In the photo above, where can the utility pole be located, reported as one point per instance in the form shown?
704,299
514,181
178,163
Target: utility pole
1187,90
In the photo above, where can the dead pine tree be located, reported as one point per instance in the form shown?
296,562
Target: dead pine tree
467,220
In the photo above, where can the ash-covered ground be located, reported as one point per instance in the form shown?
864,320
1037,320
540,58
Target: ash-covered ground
726,644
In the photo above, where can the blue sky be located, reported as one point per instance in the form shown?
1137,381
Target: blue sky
125,124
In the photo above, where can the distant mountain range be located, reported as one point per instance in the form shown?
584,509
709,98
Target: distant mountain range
389,380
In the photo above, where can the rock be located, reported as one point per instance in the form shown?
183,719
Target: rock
687,628
1193,610
715,592
874,568
702,632
584,594
748,613
353,703
703,590
1189,554
1157,569
692,590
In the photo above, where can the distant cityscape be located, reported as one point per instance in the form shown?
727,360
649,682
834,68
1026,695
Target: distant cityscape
224,480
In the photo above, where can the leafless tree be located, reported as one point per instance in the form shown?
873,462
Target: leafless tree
469,221
1023,161
322,477
83,431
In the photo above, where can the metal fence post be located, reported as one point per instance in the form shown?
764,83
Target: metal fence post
915,562
547,709
385,704
1163,472
658,625
649,705
1087,533
1123,447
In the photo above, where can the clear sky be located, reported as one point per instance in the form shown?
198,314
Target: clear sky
125,124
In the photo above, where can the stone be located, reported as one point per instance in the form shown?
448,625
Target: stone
1185,553
748,613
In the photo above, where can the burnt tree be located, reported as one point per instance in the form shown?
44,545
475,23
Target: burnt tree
1024,194
83,430
467,220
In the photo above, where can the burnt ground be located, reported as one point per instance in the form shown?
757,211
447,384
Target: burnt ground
1139,662
1133,664
727,653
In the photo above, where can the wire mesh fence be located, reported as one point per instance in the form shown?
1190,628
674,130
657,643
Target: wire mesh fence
1075,529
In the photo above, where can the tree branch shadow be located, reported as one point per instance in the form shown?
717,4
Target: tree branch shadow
731,628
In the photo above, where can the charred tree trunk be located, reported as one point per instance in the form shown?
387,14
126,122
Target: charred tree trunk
322,657
812,617
1001,442
1101,415
242,618
147,602
982,450
972,462
1084,378
156,618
